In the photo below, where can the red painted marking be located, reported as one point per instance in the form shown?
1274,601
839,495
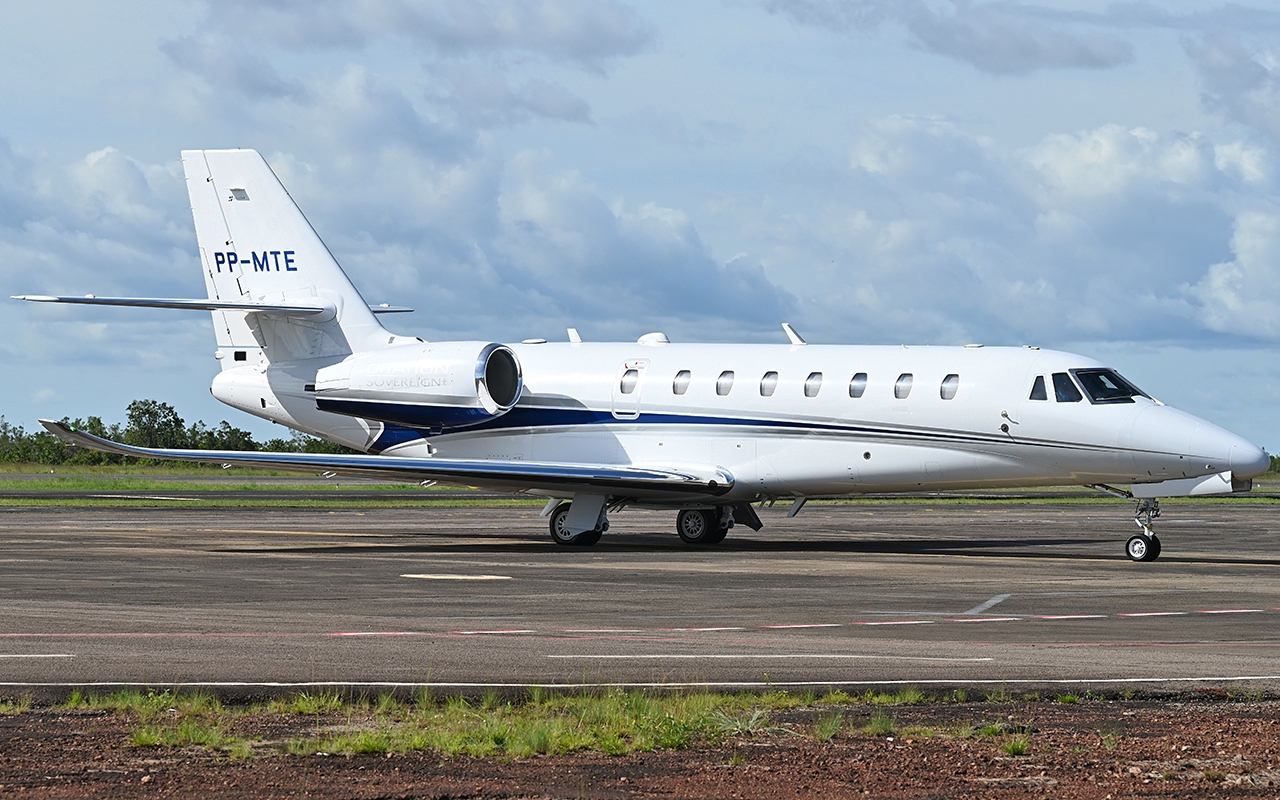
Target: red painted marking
482,633
986,619
1154,614
1070,616
803,625
1232,611
701,630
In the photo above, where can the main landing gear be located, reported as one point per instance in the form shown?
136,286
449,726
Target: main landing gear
1144,546
704,525
561,535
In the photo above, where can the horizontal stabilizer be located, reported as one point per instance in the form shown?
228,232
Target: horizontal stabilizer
613,479
292,309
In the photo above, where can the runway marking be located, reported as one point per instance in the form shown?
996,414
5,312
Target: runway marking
756,656
898,622
450,577
802,625
487,633
987,619
1154,614
379,633
1070,616
36,655
1233,611
602,630
978,609
702,630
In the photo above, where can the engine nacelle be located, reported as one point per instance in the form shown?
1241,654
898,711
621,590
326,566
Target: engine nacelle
434,386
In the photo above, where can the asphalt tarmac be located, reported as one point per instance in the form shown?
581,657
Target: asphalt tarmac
938,595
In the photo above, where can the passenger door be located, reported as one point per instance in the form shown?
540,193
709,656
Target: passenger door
626,388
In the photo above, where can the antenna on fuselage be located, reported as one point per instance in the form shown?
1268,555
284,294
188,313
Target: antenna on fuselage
792,335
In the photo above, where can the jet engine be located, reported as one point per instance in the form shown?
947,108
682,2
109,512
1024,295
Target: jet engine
434,386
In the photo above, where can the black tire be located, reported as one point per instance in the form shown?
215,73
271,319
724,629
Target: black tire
1141,547
565,539
697,526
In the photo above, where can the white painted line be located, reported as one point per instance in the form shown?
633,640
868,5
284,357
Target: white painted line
701,630
631,685
898,622
1071,616
1154,614
1233,611
379,633
756,656
601,630
485,633
803,625
978,609
987,619
36,655
450,577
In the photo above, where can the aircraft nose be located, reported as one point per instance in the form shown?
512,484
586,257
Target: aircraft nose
1248,461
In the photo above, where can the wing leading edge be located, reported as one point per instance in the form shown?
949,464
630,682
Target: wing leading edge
500,475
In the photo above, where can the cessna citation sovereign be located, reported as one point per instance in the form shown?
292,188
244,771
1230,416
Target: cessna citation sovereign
706,430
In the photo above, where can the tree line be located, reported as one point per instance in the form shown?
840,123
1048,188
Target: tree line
149,423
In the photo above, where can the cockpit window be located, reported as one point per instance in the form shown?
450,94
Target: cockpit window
1037,389
1105,386
1064,390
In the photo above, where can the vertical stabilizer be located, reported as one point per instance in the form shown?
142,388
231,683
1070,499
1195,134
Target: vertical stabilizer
256,246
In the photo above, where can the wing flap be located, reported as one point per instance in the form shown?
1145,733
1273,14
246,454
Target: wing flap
501,475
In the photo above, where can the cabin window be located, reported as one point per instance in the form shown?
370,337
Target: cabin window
1064,390
629,380
681,384
812,384
1105,386
724,383
902,387
950,385
858,385
768,384
1037,389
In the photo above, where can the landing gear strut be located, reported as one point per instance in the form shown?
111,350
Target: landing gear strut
1145,546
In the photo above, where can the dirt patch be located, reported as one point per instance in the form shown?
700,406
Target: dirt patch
1185,747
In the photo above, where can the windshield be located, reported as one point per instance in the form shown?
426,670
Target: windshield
1106,386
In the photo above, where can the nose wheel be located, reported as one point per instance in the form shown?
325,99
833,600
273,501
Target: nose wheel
1144,546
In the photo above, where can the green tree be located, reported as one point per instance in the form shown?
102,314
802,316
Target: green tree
154,424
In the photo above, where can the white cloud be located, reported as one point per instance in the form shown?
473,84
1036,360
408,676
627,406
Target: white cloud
1242,296
1243,84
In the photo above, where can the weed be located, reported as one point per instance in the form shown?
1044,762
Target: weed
837,697
1068,699
537,695
808,697
994,729
1031,697
737,759
491,699
306,703
827,726
18,706
1214,775
880,725
1128,694
746,725
1109,740
1016,745
146,737
959,696
1000,695
387,705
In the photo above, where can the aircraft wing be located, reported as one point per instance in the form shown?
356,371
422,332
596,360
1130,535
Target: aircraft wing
615,479
288,309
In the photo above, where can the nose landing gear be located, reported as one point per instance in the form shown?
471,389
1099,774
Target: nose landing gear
1145,546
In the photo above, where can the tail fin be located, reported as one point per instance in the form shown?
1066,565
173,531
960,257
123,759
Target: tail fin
257,247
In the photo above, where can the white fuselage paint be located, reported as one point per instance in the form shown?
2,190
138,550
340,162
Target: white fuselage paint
990,434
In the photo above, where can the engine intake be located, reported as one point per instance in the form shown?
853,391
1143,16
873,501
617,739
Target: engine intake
435,386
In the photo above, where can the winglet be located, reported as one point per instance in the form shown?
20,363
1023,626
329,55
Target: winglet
792,335
574,337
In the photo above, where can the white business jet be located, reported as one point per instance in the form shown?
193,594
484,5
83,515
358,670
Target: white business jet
706,430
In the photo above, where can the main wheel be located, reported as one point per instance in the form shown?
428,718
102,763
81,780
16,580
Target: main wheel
697,526
1142,548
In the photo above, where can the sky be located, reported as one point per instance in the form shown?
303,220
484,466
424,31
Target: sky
1093,177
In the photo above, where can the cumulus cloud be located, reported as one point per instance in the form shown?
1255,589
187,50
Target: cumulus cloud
1242,84
1242,296
1000,38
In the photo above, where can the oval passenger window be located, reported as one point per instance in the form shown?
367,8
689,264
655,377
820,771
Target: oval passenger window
950,384
768,384
681,384
724,383
903,387
858,385
812,384
629,379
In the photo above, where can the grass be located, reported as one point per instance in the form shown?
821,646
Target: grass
880,725
1068,699
828,725
1016,745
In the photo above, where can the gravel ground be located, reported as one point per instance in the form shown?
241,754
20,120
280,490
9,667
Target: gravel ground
1191,746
